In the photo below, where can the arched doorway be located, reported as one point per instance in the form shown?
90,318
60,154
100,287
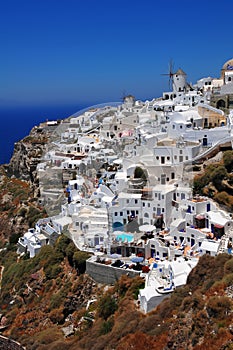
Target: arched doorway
118,226
221,104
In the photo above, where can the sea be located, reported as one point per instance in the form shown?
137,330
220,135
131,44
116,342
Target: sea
17,122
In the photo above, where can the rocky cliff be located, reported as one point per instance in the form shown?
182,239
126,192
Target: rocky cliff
19,184
28,152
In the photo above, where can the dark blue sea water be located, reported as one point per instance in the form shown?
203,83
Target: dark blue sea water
16,123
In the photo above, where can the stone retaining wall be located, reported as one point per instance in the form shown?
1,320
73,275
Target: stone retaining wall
107,274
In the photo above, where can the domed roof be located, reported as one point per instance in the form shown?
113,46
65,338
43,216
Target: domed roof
228,65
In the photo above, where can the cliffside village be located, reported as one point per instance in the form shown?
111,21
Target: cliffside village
117,179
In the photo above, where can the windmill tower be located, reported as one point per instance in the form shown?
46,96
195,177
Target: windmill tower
177,80
179,83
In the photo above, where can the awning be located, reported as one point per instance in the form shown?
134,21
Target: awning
218,226
200,217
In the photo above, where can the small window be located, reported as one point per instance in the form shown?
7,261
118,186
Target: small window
121,213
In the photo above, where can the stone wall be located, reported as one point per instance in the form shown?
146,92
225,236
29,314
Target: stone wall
107,274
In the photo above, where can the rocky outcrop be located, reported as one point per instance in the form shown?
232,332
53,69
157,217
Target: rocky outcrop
28,153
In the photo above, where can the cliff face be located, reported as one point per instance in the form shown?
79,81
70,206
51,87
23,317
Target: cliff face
25,159
18,206
28,153
19,184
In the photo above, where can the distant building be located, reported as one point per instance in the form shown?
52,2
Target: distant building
222,96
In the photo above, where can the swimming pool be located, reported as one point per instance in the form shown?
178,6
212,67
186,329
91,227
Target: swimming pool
125,237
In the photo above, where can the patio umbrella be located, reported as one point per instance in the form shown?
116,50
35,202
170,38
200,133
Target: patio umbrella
168,238
115,256
147,228
137,259
99,253
116,233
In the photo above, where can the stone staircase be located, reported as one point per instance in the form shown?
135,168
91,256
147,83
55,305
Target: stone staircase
224,240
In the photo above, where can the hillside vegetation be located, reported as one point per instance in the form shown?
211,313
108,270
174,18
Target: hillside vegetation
41,297
216,181
19,209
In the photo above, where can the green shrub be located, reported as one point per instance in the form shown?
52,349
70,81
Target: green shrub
79,260
52,271
57,300
62,243
228,160
228,267
218,307
107,306
107,326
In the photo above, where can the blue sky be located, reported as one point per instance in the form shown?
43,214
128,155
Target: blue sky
76,51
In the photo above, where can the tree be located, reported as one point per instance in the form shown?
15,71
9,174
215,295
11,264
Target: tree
70,250
79,260
217,175
62,243
228,160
